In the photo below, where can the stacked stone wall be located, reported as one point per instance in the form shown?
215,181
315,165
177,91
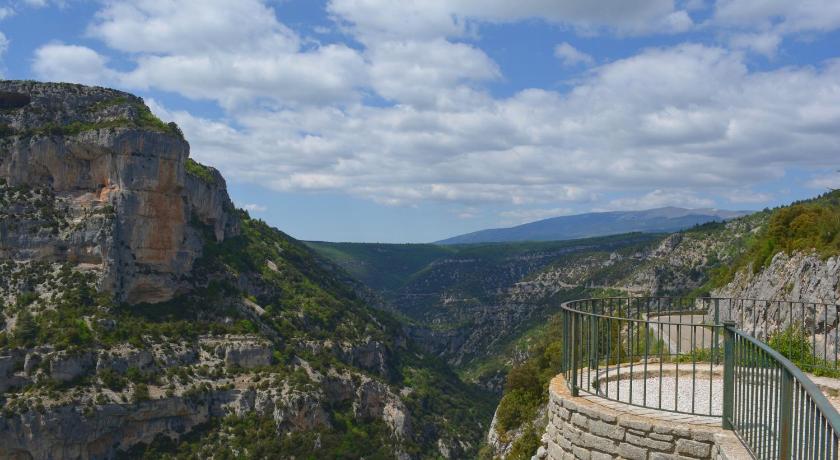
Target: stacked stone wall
582,429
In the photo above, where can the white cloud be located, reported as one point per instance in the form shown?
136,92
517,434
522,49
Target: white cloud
427,73
236,53
192,26
761,25
825,181
4,44
71,63
661,198
425,19
766,43
571,56
251,207
5,12
297,116
522,216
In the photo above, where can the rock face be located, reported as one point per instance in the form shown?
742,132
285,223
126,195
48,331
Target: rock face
798,277
113,190
801,289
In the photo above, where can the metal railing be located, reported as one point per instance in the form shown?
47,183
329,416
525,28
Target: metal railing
772,406
655,352
816,322
690,356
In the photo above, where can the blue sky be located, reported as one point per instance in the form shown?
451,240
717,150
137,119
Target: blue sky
411,121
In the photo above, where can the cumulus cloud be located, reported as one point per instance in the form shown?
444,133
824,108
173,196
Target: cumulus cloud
687,117
298,114
71,63
571,56
425,19
235,53
661,198
251,207
761,25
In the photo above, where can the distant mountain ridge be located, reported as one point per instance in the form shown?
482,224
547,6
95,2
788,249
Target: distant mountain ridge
588,225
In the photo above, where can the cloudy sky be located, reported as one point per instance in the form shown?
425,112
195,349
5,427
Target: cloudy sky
413,120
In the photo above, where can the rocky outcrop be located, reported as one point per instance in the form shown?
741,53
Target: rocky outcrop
112,190
799,277
239,351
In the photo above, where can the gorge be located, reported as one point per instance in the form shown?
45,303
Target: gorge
144,316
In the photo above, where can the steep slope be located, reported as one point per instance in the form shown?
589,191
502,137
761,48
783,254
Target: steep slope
144,317
794,257
660,220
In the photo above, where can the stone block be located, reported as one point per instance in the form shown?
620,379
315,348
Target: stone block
649,443
661,437
635,424
580,421
563,413
599,428
580,453
598,443
693,448
631,452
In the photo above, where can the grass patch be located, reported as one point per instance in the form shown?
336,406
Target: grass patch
204,173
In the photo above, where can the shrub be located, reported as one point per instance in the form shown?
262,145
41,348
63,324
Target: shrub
25,329
794,345
141,393
516,407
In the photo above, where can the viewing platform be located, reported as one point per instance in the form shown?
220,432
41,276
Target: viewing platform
667,378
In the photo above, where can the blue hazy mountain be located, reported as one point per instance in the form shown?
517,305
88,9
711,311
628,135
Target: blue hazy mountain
593,224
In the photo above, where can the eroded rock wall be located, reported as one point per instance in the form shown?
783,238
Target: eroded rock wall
116,185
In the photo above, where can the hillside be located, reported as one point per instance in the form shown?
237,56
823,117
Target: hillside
144,317
790,253
660,220
469,303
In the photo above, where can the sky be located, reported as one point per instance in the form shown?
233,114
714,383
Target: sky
416,120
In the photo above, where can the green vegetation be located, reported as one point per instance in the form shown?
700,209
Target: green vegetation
794,343
140,116
200,171
383,267
526,387
255,437
809,226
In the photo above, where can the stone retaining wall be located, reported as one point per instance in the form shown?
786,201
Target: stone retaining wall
582,429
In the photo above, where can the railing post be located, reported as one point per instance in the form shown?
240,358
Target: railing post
786,415
593,341
728,373
574,326
716,334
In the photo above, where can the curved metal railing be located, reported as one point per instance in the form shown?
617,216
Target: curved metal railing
691,356
773,407
654,352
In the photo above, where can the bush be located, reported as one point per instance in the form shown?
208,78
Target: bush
141,393
516,407
794,345
25,329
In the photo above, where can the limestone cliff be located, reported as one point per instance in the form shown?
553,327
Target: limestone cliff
142,316
111,188
802,276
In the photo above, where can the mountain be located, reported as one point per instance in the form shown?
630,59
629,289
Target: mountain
143,316
660,220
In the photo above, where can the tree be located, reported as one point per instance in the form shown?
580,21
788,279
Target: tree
26,329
